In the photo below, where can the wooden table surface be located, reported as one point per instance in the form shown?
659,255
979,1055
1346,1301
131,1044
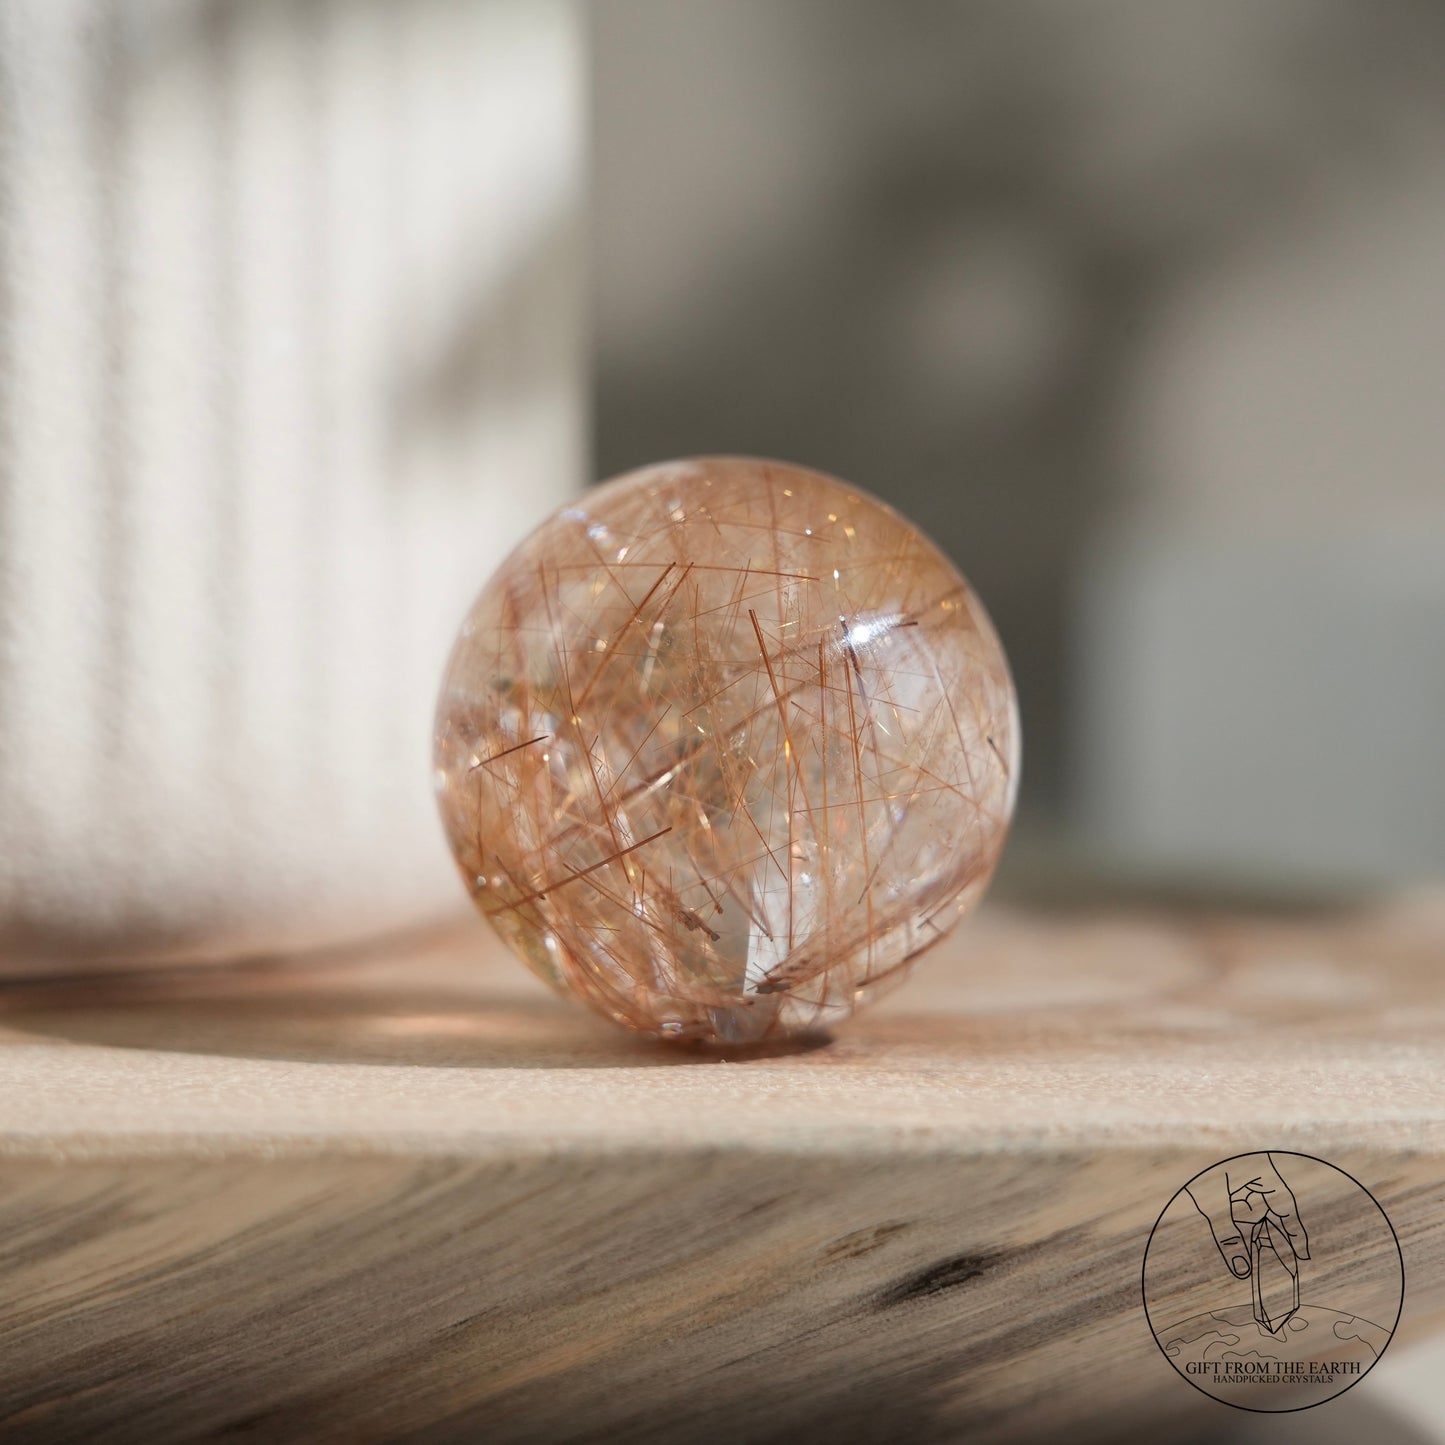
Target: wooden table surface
404,1193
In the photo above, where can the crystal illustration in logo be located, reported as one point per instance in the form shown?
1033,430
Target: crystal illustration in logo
1274,1276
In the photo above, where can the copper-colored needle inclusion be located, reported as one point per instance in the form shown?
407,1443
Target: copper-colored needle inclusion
723,746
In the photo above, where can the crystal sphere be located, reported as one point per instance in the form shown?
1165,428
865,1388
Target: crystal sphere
723,746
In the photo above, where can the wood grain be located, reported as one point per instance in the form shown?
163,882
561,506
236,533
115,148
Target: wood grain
410,1196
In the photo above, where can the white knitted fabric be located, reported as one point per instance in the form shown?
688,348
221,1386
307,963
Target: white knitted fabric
291,354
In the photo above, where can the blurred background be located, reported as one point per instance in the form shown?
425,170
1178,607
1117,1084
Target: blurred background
1136,307
310,308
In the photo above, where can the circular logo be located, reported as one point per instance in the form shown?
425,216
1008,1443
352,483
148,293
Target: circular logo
1273,1281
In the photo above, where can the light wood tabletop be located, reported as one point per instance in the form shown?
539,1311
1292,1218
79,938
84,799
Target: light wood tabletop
404,1192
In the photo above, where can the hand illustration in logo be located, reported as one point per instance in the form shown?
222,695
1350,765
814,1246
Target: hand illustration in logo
1255,1221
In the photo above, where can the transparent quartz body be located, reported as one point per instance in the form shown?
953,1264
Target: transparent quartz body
723,746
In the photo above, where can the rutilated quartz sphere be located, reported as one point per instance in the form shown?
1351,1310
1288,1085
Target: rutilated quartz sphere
724,746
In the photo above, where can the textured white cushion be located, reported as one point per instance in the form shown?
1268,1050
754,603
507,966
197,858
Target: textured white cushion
292,354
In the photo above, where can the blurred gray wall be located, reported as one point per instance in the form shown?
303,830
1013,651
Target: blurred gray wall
1136,307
